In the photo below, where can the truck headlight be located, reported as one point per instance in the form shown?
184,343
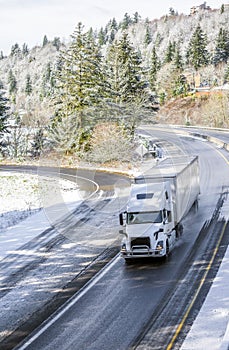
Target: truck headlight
123,247
160,245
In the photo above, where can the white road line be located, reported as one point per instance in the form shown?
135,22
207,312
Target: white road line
73,301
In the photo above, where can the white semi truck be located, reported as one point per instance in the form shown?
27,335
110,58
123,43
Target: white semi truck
158,202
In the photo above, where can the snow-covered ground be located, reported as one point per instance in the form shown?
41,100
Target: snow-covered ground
20,197
24,213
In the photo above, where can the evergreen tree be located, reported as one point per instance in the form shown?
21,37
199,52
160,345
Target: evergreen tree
48,72
12,83
197,54
90,35
222,47
25,50
169,53
158,40
180,85
126,22
111,30
222,9
114,25
112,36
45,41
171,11
101,37
37,143
3,117
59,64
28,85
15,50
56,43
128,75
136,17
1,55
178,61
80,81
127,99
148,36
154,68
49,80
112,68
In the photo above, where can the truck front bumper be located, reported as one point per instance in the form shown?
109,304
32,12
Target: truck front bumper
142,253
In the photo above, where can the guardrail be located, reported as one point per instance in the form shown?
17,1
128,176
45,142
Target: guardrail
212,139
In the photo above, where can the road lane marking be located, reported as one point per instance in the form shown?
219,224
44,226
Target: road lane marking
220,153
73,301
181,324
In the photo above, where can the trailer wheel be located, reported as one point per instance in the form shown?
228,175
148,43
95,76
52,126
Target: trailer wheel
179,230
196,205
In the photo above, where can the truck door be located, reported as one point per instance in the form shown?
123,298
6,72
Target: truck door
168,227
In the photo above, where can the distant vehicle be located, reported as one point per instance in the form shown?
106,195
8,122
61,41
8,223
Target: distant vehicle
158,202
154,150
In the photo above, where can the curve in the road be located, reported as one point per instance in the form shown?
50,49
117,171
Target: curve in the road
120,305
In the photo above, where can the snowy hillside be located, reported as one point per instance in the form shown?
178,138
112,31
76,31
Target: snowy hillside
179,29
38,66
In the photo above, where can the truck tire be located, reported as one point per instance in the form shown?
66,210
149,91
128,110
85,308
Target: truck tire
165,257
128,261
179,230
167,249
196,205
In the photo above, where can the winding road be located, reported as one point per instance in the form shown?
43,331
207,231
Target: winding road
120,307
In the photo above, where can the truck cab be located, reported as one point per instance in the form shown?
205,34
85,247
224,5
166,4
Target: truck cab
148,222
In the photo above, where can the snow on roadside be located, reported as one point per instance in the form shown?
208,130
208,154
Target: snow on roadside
21,195
210,329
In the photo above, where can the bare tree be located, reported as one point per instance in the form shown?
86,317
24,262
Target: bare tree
109,142
216,111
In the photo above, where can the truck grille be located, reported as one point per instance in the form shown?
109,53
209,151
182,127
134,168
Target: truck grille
138,241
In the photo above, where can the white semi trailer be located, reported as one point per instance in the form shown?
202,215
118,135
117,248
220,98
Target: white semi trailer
157,203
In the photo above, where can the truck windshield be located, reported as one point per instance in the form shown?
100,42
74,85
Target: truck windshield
144,217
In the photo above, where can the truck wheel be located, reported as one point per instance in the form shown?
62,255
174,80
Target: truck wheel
167,249
128,261
165,257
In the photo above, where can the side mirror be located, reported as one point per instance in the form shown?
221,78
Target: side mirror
122,218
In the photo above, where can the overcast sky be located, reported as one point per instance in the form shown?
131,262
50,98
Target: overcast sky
27,21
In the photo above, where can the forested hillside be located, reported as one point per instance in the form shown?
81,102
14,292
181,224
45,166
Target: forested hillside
60,96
